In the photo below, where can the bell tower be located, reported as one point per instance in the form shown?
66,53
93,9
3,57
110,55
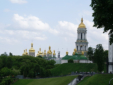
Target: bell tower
81,42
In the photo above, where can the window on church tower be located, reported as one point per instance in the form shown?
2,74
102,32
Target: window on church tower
81,35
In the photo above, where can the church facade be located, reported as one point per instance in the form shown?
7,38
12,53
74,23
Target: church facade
80,52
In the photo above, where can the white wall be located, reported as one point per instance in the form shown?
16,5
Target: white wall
64,61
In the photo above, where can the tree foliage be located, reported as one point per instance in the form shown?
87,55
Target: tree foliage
99,57
105,55
25,65
90,53
70,61
103,15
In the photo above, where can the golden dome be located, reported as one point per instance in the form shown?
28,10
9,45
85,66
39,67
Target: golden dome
82,25
40,53
31,49
74,51
54,52
44,52
24,53
66,52
82,52
49,51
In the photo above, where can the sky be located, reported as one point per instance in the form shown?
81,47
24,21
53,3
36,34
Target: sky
46,23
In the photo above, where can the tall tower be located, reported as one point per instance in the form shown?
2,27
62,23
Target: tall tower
81,42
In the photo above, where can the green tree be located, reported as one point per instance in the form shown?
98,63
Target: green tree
90,53
99,57
105,55
103,15
10,54
9,62
70,61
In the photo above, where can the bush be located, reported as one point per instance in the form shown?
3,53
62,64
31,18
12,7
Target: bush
70,61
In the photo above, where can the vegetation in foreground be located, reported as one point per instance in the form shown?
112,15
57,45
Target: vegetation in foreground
28,66
67,68
47,81
98,79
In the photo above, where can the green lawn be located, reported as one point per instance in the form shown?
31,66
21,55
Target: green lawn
67,68
98,79
46,81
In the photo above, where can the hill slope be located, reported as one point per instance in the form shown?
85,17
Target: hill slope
46,81
99,79
67,68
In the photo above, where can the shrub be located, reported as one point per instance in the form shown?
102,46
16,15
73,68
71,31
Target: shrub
70,61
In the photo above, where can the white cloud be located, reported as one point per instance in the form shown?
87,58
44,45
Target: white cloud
16,36
68,26
8,40
19,1
32,23
67,30
96,36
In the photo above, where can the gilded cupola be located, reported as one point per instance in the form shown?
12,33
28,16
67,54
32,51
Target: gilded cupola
54,52
40,53
74,51
31,49
66,52
44,52
82,52
24,53
81,25
49,51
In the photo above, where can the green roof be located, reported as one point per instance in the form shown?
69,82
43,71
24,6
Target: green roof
75,57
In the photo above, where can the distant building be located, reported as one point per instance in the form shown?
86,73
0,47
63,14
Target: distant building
76,57
58,54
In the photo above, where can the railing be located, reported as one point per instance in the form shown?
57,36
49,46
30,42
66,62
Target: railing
110,81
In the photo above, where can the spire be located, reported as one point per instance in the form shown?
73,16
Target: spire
81,20
31,44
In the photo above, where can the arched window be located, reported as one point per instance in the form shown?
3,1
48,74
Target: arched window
77,47
80,48
81,35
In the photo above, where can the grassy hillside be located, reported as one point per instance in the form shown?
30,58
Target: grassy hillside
46,81
67,68
99,79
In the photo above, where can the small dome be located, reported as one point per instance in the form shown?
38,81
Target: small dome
54,52
66,52
31,49
44,52
24,53
82,25
49,51
82,52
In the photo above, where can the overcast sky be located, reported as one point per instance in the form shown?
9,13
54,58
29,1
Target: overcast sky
46,23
